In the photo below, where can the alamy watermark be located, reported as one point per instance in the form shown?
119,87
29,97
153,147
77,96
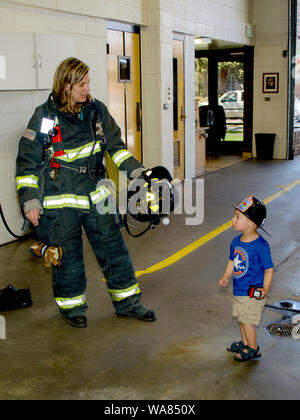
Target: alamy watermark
2,328
142,197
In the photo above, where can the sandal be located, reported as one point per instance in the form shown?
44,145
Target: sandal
236,347
251,354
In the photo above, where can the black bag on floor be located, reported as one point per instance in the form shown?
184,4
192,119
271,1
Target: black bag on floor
13,298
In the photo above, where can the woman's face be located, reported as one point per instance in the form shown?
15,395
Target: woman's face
80,91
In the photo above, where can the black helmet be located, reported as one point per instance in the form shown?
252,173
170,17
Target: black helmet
151,196
254,209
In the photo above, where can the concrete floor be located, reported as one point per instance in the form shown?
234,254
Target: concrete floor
182,355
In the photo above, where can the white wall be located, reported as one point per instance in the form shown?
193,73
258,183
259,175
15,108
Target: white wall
219,19
271,19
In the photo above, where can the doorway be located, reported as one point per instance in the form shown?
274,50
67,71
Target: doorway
124,83
178,108
231,98
224,81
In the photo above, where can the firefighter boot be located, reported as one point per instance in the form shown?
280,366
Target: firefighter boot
78,321
141,312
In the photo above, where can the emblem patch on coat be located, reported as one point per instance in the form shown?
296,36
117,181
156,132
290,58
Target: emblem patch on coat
30,134
99,129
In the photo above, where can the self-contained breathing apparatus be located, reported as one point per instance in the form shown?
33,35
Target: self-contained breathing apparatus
150,197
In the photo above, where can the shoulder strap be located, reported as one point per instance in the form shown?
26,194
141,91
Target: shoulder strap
96,104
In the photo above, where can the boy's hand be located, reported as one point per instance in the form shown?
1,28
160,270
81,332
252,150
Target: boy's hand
224,281
263,293
267,282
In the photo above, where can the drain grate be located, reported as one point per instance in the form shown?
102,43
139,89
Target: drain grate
289,325
279,329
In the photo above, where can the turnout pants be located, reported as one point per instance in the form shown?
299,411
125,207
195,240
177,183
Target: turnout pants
64,228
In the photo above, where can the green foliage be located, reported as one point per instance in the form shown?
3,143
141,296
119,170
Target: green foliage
227,69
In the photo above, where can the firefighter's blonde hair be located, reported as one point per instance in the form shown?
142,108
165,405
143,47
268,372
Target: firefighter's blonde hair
70,72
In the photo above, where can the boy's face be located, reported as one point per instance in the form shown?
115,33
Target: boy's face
241,223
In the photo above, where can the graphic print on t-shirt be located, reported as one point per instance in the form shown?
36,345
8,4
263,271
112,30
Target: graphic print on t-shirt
241,262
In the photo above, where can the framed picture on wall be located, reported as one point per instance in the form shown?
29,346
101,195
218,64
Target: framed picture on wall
270,82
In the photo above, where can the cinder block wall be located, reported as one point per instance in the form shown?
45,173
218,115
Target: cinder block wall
271,20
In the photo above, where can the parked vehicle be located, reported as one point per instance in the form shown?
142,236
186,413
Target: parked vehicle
233,104
297,110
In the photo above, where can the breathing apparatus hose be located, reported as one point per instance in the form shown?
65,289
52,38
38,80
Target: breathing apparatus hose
138,234
7,227
89,163
118,218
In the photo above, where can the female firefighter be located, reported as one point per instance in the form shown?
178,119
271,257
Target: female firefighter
59,193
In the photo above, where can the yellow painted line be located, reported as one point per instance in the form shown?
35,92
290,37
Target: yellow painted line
284,190
206,238
185,251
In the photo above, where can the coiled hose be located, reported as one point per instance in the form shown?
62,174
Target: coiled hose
7,227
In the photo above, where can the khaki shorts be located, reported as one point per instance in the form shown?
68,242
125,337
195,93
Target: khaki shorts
248,310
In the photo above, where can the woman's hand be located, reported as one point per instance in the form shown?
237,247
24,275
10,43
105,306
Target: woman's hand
33,216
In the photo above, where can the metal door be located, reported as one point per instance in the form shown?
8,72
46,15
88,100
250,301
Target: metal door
124,86
178,109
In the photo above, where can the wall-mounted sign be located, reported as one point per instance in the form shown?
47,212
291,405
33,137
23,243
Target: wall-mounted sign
249,31
124,64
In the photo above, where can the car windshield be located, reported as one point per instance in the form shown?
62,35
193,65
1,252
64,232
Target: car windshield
230,97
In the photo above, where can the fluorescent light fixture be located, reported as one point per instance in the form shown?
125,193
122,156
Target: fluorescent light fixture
202,41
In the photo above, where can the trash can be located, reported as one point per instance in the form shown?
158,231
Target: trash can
264,145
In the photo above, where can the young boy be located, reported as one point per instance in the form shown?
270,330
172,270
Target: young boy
250,263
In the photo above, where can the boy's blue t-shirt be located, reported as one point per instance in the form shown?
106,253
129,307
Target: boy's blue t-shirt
251,259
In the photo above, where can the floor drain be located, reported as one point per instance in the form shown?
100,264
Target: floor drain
289,325
279,329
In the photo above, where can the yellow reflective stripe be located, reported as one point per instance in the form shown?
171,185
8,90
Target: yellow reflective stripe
80,152
154,208
118,295
121,156
100,194
66,200
30,181
69,303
